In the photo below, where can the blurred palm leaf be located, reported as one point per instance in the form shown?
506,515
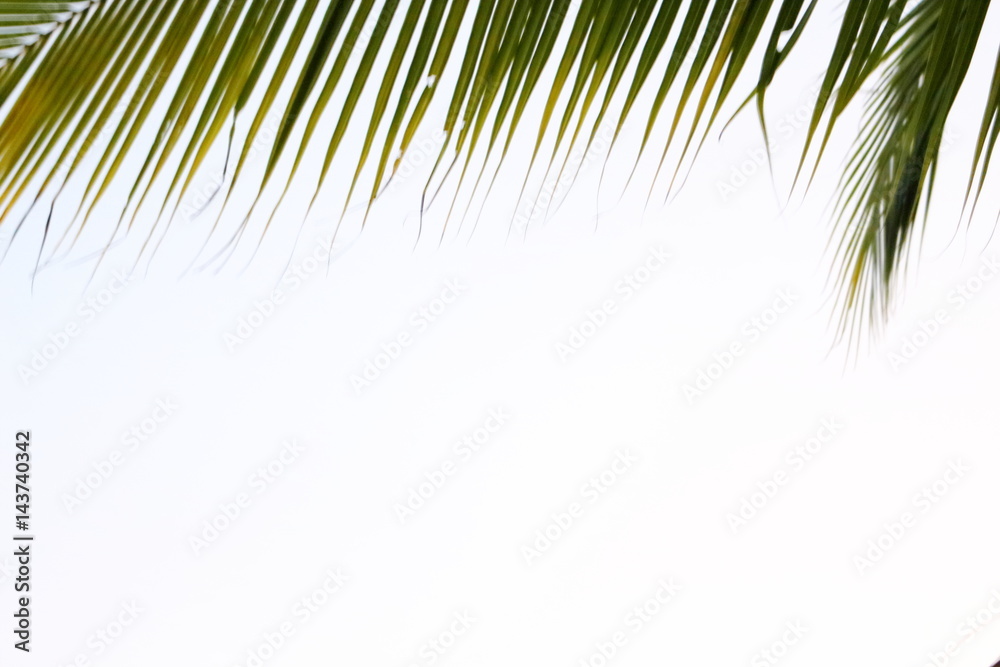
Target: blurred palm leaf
86,85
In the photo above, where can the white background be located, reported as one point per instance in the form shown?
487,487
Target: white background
164,337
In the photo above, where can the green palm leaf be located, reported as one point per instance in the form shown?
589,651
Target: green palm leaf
162,83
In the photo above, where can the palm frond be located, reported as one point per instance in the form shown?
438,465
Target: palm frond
102,92
896,154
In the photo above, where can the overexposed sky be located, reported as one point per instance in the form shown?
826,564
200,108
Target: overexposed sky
501,389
